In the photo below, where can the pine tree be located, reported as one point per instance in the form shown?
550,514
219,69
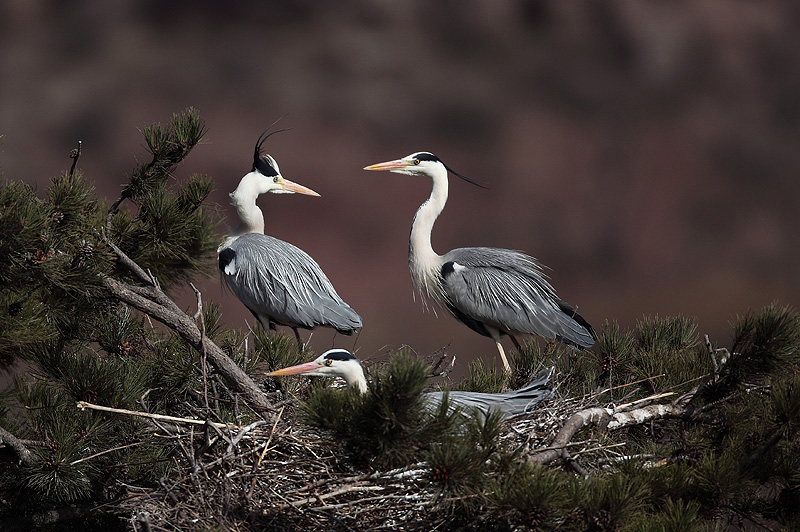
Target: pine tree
72,270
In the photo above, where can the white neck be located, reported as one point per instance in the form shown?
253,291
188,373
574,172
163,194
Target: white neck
244,200
423,261
355,378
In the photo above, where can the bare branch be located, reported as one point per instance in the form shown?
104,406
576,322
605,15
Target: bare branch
75,155
84,405
608,419
183,325
22,452
589,416
126,261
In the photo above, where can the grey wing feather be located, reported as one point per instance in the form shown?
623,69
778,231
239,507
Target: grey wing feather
507,403
282,282
507,290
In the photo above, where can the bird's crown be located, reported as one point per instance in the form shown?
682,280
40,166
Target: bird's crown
265,164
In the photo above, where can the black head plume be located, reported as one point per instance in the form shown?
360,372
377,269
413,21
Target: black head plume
428,156
262,164
467,179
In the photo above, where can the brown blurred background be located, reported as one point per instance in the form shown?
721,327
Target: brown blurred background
647,152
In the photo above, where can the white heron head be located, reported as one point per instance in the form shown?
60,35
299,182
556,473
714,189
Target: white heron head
421,163
265,176
334,363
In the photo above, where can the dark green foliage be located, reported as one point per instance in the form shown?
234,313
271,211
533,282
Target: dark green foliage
483,379
171,234
49,262
529,494
676,516
666,354
784,409
390,423
275,351
460,460
763,342
733,458
79,344
606,502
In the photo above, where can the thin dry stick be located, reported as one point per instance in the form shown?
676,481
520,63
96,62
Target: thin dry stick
79,460
639,402
264,452
199,317
340,491
83,405
601,448
619,387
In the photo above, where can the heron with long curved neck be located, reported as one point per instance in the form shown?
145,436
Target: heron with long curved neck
342,364
493,291
279,283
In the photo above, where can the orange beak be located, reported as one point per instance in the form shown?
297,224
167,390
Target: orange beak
388,165
294,370
291,186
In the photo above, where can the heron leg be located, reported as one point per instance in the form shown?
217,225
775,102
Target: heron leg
516,343
300,344
496,337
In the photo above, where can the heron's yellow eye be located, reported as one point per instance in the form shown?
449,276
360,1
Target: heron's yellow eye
416,162
328,362
276,179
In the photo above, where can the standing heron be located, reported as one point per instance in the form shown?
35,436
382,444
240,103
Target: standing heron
492,291
341,363
278,282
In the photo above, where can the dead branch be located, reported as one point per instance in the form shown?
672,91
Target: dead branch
75,154
589,416
83,405
19,448
611,419
185,327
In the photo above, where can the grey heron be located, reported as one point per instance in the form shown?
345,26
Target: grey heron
341,363
278,282
492,291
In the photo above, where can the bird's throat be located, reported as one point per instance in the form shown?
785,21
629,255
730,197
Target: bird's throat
424,263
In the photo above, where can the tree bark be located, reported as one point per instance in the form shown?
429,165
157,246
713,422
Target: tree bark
183,325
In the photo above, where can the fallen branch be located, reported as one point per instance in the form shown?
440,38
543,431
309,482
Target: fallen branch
161,417
558,449
609,419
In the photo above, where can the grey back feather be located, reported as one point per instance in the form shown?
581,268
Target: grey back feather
281,282
507,290
507,403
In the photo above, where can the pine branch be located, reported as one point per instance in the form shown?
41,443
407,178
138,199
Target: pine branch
188,330
155,303
75,155
22,452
